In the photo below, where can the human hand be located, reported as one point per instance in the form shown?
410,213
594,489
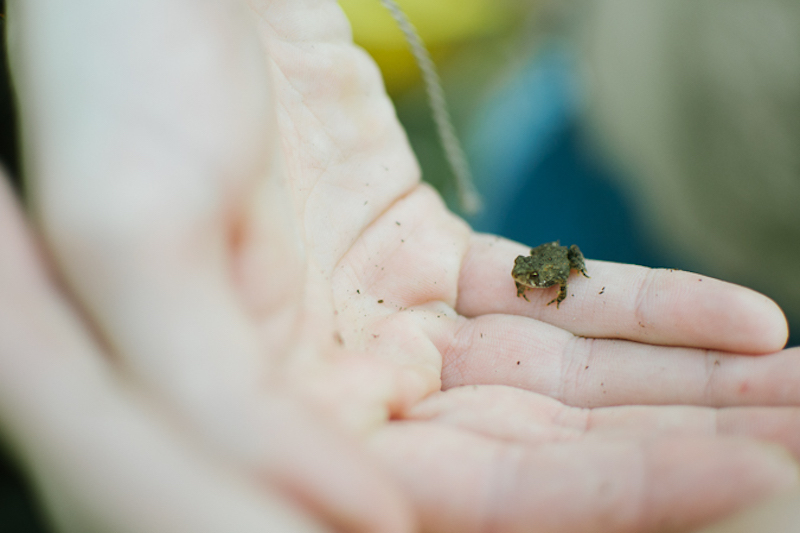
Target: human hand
96,427
106,456
263,235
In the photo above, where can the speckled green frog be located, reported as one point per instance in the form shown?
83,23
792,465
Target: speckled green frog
549,264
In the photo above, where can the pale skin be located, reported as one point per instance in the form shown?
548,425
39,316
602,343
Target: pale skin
259,302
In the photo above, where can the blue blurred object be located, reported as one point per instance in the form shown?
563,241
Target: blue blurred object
540,182
567,196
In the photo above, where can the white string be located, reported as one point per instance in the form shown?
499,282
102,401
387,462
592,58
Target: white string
468,197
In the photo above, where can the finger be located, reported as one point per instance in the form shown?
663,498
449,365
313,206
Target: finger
628,302
466,482
519,416
533,355
103,460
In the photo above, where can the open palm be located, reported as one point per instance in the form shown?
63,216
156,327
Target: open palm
266,236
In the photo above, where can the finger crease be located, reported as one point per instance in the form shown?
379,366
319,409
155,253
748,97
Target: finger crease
642,300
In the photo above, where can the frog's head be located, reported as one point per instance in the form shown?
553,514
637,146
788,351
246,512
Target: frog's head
524,273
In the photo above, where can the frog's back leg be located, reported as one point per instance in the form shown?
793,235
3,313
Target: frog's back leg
576,260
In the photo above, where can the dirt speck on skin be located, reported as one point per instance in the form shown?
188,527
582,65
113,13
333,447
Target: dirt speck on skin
380,301
337,336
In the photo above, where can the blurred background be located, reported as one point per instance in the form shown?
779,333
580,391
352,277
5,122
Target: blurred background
18,513
664,133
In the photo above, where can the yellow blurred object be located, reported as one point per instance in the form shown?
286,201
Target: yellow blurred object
442,24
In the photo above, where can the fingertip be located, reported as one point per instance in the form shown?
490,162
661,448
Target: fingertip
757,324
775,328
689,309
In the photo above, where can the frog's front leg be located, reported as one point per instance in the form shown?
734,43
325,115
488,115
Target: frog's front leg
521,290
562,293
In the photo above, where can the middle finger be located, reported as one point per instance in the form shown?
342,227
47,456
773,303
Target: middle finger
535,356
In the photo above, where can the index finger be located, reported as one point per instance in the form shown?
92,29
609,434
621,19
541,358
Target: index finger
654,306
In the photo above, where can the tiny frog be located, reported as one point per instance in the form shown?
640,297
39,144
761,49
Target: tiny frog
549,264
